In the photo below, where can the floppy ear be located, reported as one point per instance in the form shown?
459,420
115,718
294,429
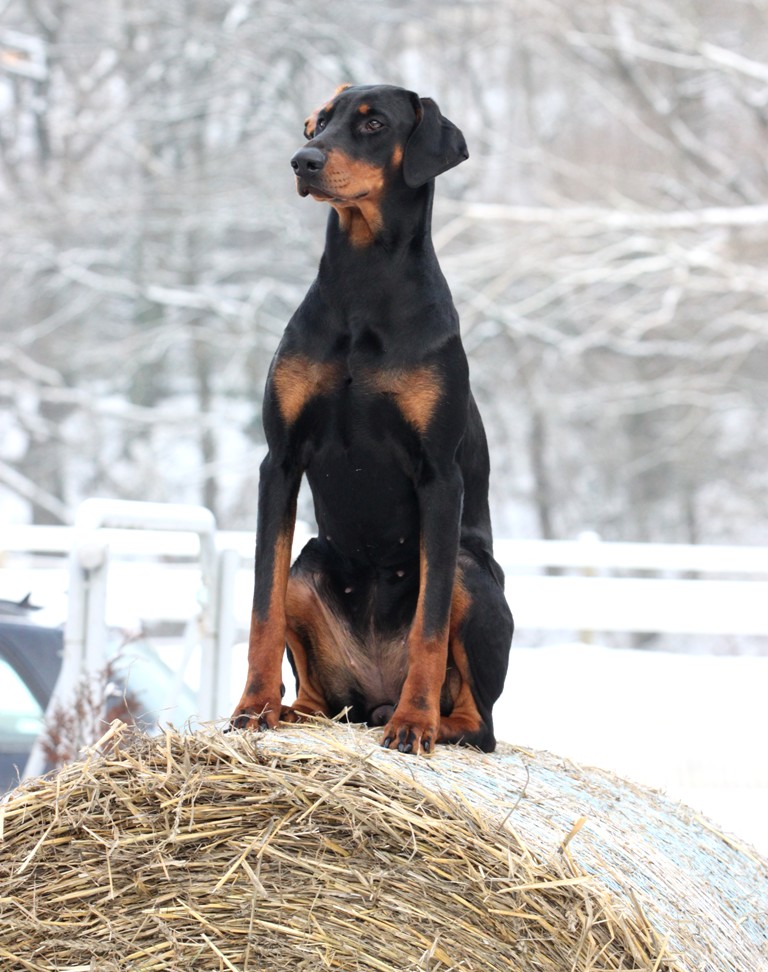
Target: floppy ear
435,145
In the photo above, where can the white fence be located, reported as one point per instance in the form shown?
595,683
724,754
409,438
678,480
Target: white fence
553,586
636,587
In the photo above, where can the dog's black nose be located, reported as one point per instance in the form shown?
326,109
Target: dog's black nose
308,161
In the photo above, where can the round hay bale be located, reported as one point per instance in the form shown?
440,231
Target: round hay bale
312,848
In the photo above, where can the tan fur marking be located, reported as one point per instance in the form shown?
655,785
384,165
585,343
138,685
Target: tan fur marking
310,123
460,603
271,631
329,104
340,657
464,717
266,641
297,380
418,710
347,177
356,187
416,393
303,608
361,224
397,157
426,658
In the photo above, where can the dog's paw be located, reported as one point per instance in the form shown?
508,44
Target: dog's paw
410,733
297,712
259,715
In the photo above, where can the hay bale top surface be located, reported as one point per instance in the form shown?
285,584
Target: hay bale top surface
312,848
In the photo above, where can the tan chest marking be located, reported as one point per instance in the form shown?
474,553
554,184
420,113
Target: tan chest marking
298,379
416,393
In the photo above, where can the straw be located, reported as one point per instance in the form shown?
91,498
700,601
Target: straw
312,848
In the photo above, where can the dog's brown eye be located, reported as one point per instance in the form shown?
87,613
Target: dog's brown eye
372,125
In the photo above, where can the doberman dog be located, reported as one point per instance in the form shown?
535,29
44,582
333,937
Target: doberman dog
396,611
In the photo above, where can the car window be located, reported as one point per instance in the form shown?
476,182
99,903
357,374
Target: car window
20,715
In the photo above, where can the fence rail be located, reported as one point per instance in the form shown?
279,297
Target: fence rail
585,585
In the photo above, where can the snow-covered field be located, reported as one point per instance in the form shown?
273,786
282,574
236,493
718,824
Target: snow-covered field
693,726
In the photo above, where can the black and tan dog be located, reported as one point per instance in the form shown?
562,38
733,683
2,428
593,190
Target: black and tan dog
396,610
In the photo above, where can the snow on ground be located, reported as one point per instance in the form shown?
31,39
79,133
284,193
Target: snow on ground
693,726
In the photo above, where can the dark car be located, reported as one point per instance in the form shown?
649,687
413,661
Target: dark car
30,660
135,685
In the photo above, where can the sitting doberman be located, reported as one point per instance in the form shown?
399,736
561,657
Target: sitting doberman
396,611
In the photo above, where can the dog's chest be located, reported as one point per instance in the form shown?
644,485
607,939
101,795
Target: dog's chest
355,385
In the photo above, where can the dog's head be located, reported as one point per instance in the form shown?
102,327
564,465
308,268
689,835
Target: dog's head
368,138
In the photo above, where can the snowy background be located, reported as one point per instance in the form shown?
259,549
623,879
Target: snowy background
692,726
606,244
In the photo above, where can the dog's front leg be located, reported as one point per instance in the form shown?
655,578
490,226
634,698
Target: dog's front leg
415,723
259,706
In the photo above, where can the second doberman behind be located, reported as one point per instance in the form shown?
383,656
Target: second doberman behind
396,610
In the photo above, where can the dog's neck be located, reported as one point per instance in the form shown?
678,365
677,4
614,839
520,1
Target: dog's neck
380,230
